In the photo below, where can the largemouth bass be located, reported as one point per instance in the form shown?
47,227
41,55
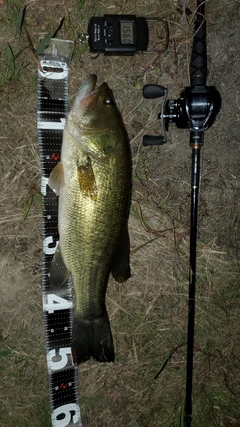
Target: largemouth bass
94,182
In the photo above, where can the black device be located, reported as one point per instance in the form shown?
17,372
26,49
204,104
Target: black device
196,109
118,34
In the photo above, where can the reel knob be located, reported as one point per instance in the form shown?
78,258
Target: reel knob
153,140
153,91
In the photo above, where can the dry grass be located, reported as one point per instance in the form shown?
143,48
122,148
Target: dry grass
149,313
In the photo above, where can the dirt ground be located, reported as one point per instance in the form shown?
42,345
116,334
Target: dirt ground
148,313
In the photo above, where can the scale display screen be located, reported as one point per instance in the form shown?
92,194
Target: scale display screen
126,32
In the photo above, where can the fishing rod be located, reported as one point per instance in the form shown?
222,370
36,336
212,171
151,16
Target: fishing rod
196,109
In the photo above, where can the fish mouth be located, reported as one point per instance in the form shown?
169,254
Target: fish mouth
88,94
84,102
87,88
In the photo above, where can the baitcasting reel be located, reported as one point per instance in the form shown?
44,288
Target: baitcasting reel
196,109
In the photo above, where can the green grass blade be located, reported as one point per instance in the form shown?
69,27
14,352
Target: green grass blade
182,415
20,19
27,207
167,358
4,353
19,68
11,59
80,4
44,43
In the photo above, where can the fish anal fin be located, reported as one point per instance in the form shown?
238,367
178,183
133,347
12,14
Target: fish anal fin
86,180
56,179
58,270
121,268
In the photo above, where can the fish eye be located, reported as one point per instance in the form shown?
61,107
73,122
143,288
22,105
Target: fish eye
109,102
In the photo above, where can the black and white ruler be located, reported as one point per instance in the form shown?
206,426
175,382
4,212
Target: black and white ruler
57,303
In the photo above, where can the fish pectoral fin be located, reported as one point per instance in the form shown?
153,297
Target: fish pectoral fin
120,268
58,270
86,180
56,179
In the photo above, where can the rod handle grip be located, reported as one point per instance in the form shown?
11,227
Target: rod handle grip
198,65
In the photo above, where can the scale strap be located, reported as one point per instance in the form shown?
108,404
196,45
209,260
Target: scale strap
57,303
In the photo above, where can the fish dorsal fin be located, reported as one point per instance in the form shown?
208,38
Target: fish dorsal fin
86,180
56,179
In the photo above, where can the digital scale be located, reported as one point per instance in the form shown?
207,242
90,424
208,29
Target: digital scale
120,34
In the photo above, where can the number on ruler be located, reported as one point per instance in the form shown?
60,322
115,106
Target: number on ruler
55,302
66,411
46,249
56,365
44,183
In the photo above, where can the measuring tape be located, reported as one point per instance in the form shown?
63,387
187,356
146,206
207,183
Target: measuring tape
57,303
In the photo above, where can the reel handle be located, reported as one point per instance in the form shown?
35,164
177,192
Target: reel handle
153,91
153,140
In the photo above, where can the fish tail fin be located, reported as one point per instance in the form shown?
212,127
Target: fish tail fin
93,338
